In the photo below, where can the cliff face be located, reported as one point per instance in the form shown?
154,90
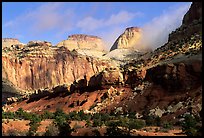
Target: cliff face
191,25
128,40
45,67
80,41
7,42
194,13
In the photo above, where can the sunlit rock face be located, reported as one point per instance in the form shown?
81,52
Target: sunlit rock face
38,67
8,42
81,41
128,40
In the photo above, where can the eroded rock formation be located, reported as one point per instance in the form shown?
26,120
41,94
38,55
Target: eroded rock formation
46,67
128,40
8,42
177,76
81,41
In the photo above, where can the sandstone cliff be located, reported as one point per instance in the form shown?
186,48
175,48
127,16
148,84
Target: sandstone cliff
128,40
81,41
39,67
8,42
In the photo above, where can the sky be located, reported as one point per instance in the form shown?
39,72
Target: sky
55,21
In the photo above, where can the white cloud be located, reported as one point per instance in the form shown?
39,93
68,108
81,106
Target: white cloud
121,17
156,32
90,23
44,18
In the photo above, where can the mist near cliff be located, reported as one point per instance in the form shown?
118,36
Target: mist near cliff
53,22
156,32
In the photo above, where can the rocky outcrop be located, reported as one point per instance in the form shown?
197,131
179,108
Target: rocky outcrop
56,66
109,76
194,13
81,41
192,23
39,43
128,40
176,76
8,42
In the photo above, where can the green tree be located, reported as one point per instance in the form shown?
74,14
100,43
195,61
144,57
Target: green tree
167,125
48,115
63,126
153,120
8,115
74,116
130,124
189,125
88,123
20,113
97,122
113,130
34,124
59,112
81,114
96,116
105,117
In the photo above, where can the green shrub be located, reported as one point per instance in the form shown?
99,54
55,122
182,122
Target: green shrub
189,125
164,130
51,130
8,115
63,126
97,122
47,115
153,120
34,124
88,123
136,124
59,112
167,125
96,116
74,116
105,117
113,129
13,132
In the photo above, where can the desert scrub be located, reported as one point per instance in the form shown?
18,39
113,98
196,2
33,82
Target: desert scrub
51,130
189,125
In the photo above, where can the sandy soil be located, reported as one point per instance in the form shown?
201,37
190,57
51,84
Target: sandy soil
22,125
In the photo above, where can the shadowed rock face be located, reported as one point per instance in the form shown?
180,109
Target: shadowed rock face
194,13
179,76
54,67
192,23
129,39
81,41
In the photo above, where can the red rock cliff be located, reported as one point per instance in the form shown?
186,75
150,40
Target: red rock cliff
45,67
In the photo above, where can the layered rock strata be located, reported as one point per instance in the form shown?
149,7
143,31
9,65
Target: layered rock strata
81,41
